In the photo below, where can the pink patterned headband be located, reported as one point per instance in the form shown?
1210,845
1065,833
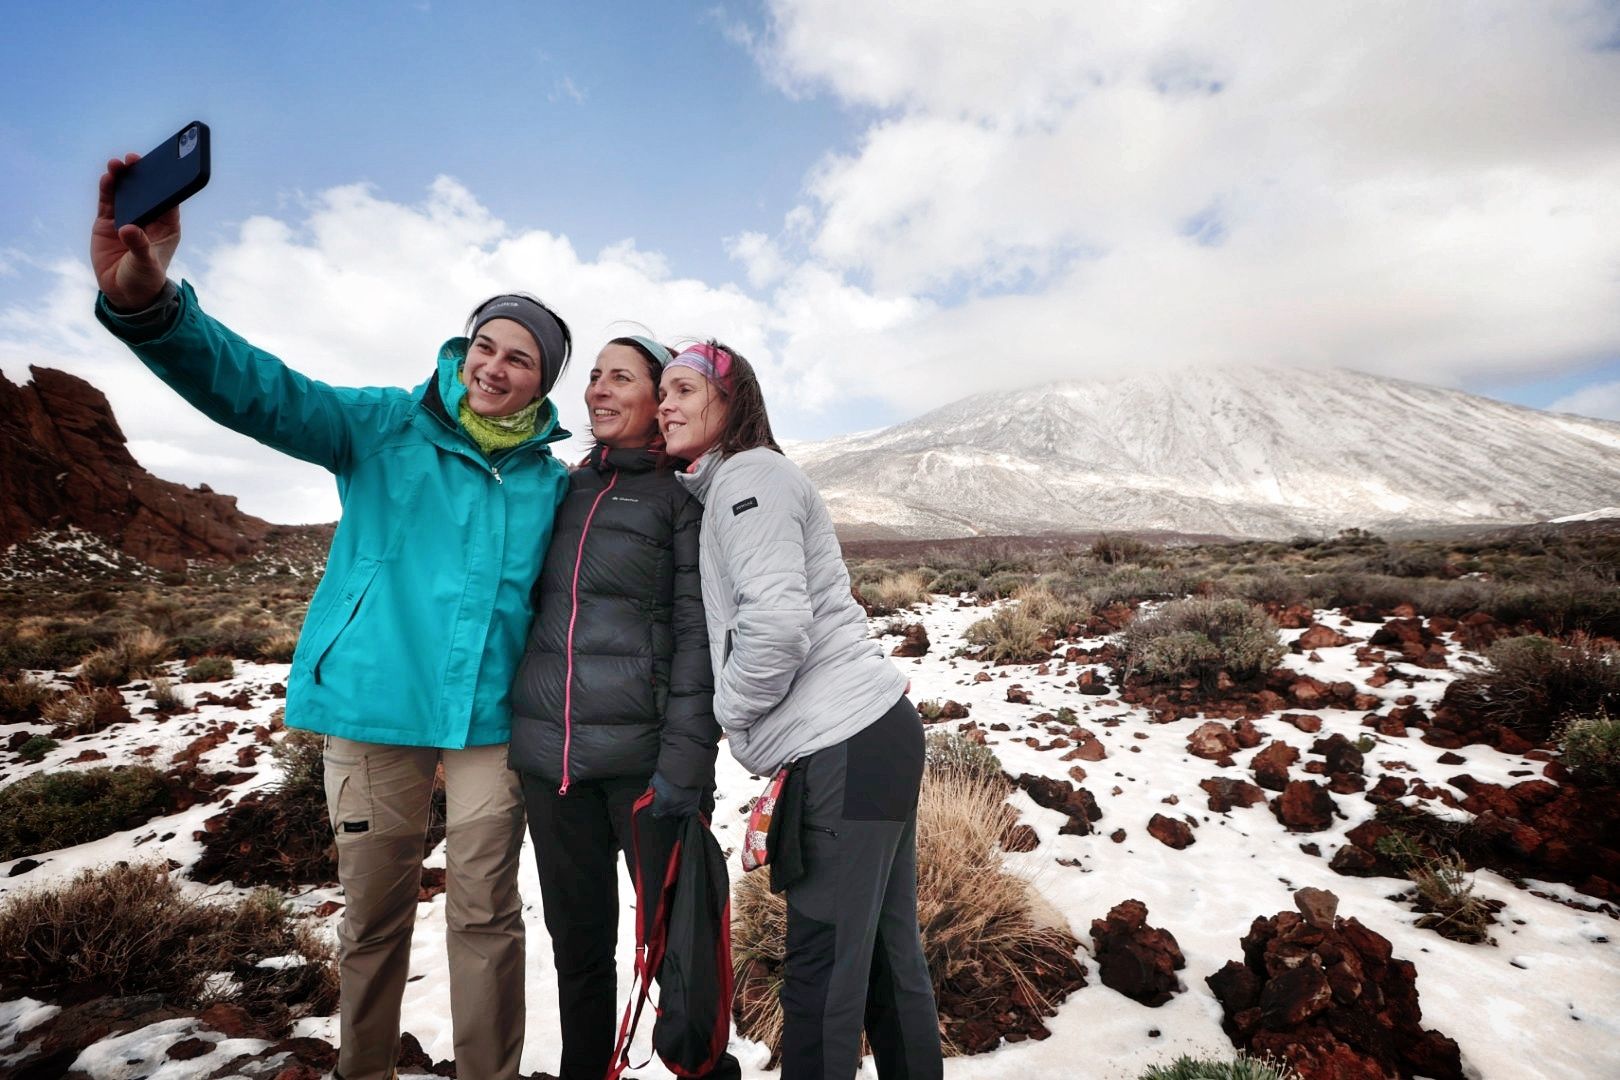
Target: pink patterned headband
712,363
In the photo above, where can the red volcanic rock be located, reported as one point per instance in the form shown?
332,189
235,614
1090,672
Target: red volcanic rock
1388,789
1478,630
1248,736
1271,765
915,642
1171,832
1087,747
1340,754
1304,806
1017,694
1138,960
1317,636
952,710
1211,740
1328,997
1062,796
1305,722
1225,793
64,461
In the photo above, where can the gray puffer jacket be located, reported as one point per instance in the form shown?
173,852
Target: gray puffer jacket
795,666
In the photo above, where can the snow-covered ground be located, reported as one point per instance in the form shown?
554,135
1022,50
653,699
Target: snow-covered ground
1541,1004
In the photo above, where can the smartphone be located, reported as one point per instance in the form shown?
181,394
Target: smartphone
163,179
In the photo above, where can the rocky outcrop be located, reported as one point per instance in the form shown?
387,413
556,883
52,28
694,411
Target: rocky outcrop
1328,997
64,461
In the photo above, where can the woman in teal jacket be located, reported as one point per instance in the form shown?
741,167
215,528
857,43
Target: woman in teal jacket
413,637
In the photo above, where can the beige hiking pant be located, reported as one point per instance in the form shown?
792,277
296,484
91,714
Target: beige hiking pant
378,798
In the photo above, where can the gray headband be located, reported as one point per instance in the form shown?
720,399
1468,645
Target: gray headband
550,332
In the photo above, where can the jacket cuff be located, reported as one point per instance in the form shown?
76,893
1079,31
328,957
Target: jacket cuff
147,324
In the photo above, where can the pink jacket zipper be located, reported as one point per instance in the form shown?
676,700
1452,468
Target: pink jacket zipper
573,616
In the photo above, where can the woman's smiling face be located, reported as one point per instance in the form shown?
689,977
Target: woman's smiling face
691,413
622,398
502,369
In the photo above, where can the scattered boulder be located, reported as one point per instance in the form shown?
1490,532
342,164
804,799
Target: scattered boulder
1212,741
1017,694
1327,997
1317,636
1271,765
1304,806
1305,722
915,642
1225,793
1171,832
1138,960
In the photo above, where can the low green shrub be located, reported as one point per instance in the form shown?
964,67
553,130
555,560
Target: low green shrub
950,753
1241,1067
60,809
955,581
1591,748
129,929
1199,639
1009,635
1002,584
1535,684
36,747
211,669
1114,548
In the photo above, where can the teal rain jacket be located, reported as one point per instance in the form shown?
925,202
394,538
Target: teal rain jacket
417,627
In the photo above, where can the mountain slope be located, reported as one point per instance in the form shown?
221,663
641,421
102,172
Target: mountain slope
1247,451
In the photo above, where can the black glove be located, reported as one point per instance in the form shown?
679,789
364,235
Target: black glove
672,801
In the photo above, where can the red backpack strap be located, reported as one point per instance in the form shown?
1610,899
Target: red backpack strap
650,942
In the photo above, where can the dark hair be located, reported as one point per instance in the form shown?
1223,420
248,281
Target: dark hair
748,425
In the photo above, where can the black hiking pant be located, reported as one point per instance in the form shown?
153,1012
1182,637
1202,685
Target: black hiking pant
578,838
854,955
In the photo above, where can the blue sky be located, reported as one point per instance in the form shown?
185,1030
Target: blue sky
886,206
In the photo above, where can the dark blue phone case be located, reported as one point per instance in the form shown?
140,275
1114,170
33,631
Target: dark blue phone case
163,179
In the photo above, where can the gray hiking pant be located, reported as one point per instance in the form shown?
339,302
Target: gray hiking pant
854,956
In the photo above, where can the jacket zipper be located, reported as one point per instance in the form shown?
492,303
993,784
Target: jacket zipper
573,616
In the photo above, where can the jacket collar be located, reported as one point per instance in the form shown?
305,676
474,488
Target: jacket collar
635,459
699,476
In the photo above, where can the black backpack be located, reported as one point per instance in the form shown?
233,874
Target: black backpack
683,940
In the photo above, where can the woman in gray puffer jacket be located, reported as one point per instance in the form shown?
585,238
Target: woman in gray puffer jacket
799,679
614,692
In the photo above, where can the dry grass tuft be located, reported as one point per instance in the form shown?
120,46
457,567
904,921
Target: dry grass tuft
1010,634
979,933
895,592
86,710
23,698
142,649
129,929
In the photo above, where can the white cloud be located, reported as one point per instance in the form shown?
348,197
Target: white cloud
1601,401
1067,189
359,291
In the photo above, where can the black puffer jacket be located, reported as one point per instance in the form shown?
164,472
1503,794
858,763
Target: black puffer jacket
615,680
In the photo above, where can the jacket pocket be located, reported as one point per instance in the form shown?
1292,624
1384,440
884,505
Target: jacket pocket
726,655
340,615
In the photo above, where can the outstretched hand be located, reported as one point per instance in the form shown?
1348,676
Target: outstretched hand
131,264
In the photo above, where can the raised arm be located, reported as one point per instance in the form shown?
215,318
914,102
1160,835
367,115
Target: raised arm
233,383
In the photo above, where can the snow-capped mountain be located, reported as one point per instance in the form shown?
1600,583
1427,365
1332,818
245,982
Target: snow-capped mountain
1241,452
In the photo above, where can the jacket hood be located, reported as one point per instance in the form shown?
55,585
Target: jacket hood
449,390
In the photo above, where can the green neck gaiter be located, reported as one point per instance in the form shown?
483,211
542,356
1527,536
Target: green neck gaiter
493,433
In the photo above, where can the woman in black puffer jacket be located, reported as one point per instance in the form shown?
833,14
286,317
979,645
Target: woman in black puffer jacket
614,693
